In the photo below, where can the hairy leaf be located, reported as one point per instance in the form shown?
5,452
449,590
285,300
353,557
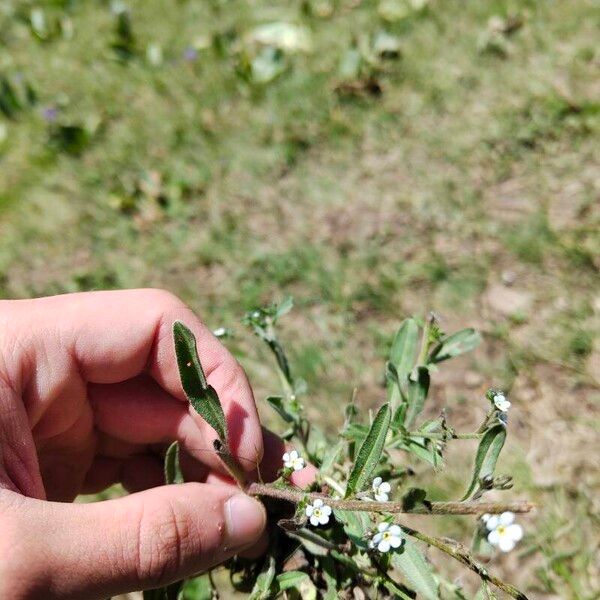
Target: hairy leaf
370,452
291,579
200,394
455,344
172,464
265,582
417,393
402,357
416,570
278,405
487,455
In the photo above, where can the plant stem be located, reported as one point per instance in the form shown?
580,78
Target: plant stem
462,555
446,436
435,508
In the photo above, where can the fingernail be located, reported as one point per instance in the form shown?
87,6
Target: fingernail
245,520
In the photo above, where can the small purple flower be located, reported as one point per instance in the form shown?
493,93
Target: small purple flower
50,114
190,54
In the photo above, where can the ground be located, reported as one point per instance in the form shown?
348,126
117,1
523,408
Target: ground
392,158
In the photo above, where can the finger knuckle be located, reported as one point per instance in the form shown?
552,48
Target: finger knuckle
164,540
19,579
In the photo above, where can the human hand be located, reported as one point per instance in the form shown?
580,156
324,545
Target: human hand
89,394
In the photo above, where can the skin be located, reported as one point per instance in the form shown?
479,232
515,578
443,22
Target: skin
89,396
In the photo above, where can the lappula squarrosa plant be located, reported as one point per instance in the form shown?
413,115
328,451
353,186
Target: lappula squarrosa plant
346,536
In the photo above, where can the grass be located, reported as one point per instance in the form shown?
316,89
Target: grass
471,173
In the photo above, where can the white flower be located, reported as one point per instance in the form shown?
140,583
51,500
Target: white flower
503,532
387,536
318,512
292,460
381,489
501,403
486,517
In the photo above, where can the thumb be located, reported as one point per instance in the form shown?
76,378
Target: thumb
141,541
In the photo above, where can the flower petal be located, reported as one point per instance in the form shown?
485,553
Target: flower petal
286,457
506,518
395,541
494,537
506,544
324,519
383,527
309,510
377,482
385,487
382,497
293,454
314,521
396,530
326,510
317,503
377,538
383,546
485,517
514,532
493,522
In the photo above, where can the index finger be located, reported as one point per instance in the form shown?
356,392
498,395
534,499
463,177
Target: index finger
114,336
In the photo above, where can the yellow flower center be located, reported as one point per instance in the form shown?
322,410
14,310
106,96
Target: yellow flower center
317,512
386,535
501,530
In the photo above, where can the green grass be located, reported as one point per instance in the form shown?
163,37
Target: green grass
474,164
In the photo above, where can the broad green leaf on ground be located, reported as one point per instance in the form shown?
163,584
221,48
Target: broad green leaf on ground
487,455
416,570
370,452
417,393
199,588
200,394
455,344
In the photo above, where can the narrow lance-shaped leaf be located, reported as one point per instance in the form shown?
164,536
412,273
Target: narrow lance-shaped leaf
370,452
172,464
200,394
487,455
455,344
402,356
416,570
417,393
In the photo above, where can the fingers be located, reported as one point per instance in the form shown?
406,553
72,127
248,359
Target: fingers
115,336
141,541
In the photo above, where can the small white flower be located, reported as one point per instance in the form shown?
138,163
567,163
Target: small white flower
292,460
318,512
503,532
501,403
486,517
381,489
388,536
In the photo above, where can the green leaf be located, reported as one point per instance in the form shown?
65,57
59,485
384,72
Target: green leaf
356,525
417,571
291,579
370,452
402,356
415,498
264,582
199,588
278,405
417,393
200,394
172,464
455,344
330,457
487,455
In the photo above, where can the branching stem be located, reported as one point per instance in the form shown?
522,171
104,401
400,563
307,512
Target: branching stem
436,508
460,554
